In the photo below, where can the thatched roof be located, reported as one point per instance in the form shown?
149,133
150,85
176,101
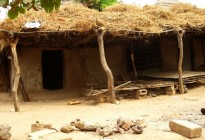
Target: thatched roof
166,2
119,19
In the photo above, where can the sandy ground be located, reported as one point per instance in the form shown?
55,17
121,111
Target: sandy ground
51,107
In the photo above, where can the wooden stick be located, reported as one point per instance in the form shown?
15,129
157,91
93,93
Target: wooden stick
116,88
124,84
100,31
133,60
24,93
100,92
129,88
11,75
16,70
180,45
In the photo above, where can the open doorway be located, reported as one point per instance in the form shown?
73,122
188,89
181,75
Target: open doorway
52,69
4,71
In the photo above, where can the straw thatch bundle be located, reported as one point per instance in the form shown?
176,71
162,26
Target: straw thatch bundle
69,17
166,2
3,43
123,8
118,19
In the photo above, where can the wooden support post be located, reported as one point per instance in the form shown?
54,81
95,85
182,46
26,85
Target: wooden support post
180,45
100,31
16,74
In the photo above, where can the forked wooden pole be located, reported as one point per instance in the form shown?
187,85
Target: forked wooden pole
180,63
100,31
16,75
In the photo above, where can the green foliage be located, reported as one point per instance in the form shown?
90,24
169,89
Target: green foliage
22,10
4,2
12,14
16,8
104,3
21,6
98,4
49,5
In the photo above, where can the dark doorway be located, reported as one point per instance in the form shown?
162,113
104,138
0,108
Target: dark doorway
52,67
4,71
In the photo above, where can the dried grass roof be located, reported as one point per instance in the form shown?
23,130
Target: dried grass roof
117,18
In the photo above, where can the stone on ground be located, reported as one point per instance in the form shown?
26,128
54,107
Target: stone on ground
40,126
128,125
37,134
137,130
56,136
140,122
67,128
5,132
118,130
90,127
79,124
185,128
104,132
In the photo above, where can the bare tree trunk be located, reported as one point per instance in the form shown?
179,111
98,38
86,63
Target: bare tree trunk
100,33
180,45
16,75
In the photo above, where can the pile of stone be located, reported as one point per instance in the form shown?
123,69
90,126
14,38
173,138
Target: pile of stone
5,132
122,126
130,126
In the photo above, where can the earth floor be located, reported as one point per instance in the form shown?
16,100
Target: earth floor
52,108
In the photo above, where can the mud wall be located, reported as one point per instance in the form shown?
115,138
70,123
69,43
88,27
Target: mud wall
81,66
198,47
115,54
187,62
30,67
72,70
169,54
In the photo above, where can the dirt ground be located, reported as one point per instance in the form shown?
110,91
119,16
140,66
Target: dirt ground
51,107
